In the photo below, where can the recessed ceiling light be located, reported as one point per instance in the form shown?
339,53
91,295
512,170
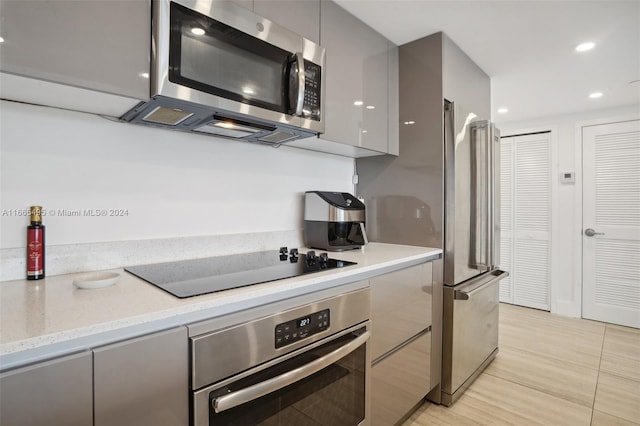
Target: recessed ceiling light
144,74
197,31
595,95
358,103
503,110
1,39
370,107
364,131
585,46
410,122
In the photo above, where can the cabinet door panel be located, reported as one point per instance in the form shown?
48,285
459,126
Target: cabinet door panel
143,381
56,392
356,70
394,100
400,381
100,45
300,16
400,307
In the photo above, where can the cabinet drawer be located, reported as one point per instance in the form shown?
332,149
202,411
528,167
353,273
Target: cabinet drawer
400,381
400,307
56,392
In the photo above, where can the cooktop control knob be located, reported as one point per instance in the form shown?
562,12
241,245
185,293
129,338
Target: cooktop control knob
311,257
283,253
294,255
324,257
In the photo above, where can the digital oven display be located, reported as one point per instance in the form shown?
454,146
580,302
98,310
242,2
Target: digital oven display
303,322
301,328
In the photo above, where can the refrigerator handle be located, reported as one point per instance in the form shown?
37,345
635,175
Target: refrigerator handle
481,198
488,139
466,292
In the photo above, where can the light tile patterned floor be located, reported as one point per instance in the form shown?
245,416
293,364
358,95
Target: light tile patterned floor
551,370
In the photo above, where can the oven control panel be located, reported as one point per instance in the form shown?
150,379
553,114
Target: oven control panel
300,328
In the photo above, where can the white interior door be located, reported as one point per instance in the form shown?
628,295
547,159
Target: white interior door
611,223
525,221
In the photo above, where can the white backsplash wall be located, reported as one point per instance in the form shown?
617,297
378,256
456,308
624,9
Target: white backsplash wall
151,183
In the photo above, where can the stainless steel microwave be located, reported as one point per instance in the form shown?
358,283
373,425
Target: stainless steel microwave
220,69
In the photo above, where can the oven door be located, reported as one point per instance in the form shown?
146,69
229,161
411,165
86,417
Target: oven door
322,384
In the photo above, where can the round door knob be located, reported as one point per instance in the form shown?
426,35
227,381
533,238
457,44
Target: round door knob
589,232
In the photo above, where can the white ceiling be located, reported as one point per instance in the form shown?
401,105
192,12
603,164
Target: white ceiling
527,47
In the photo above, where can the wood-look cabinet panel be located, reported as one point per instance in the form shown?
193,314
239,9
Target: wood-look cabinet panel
55,392
143,381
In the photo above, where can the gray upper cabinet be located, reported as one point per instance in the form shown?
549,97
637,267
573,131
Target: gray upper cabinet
56,392
394,100
247,4
99,45
358,72
300,16
143,381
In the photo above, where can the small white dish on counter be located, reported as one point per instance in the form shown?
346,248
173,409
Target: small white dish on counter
96,280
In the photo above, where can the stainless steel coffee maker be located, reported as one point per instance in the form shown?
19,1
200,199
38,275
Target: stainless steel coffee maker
333,221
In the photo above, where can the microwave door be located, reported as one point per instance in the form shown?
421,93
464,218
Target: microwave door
215,58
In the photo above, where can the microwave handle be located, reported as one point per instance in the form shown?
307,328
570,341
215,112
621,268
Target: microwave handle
299,69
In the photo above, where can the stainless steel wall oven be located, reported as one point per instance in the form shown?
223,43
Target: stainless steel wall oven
309,365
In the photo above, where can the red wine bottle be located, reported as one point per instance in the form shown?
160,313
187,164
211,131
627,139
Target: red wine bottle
35,245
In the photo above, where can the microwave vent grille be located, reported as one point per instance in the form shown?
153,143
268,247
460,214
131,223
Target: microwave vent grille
278,137
168,116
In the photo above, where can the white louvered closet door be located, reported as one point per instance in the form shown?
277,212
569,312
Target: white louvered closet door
526,219
611,208
506,218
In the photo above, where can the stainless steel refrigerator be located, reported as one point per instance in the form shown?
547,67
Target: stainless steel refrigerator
443,191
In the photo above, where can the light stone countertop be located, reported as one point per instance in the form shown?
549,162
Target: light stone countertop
51,317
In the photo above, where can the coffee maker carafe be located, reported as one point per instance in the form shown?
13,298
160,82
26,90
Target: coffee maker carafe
333,221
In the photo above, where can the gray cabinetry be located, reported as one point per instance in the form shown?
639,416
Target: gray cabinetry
401,349
401,307
300,16
143,381
56,392
98,45
357,70
400,381
361,87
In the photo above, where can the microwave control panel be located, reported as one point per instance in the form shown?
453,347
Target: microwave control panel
312,90
295,330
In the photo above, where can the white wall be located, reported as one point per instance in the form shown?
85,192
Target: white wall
170,184
566,249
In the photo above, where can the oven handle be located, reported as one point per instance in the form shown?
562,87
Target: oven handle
245,395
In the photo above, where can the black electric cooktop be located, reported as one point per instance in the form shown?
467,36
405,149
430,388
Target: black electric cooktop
195,277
